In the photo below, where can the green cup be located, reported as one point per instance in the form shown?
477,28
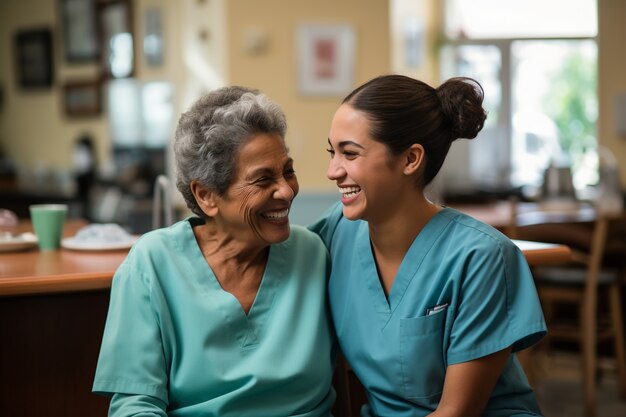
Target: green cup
48,221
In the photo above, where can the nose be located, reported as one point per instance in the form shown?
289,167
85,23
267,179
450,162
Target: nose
335,169
286,191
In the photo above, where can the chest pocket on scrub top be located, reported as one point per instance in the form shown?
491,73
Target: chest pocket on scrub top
421,355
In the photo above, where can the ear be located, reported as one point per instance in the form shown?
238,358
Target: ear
413,159
205,197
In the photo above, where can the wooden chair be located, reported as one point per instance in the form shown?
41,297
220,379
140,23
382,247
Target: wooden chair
582,284
350,393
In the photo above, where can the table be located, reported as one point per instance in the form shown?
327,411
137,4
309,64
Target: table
569,224
34,272
576,225
62,271
53,307
499,213
539,253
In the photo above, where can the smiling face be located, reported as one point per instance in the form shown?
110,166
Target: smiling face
368,177
256,205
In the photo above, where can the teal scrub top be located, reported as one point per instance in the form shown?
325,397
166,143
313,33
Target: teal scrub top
175,340
463,291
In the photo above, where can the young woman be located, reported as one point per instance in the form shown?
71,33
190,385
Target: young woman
429,304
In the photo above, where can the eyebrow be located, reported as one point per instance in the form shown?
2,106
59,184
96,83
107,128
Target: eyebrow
345,143
267,170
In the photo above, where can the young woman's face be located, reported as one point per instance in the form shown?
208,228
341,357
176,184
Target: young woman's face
368,177
256,205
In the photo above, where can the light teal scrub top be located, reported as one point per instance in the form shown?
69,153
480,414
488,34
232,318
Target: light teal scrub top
176,341
463,291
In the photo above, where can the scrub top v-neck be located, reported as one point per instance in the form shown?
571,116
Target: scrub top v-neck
462,291
175,334
244,326
386,304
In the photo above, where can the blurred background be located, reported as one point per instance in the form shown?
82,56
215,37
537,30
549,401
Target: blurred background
91,90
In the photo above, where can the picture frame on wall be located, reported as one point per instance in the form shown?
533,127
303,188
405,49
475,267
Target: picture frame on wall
33,50
82,98
117,44
153,40
80,37
325,55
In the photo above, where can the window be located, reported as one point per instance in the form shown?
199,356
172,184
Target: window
540,90
510,19
140,115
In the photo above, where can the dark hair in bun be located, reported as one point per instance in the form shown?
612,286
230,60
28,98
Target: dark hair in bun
404,111
461,99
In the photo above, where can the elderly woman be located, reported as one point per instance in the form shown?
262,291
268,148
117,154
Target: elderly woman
223,313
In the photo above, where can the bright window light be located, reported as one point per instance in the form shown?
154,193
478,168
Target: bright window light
520,19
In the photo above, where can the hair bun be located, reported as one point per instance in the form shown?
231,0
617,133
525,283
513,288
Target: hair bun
461,99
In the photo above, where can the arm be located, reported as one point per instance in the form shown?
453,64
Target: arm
123,405
500,315
468,385
132,359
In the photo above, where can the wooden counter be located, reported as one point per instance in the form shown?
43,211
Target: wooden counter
499,213
35,272
49,346
53,307
539,253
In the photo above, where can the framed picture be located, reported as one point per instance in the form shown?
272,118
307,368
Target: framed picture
34,58
80,38
153,41
117,49
326,55
82,98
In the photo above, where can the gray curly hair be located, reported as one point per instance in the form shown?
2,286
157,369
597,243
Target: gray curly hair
209,135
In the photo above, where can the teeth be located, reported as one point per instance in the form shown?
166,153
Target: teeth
276,215
349,192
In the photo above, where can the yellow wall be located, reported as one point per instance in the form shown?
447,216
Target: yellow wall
611,76
33,129
34,132
274,71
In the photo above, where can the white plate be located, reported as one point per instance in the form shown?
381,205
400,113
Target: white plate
73,244
20,242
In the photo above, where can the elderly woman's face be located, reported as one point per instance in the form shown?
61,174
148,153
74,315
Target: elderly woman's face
257,203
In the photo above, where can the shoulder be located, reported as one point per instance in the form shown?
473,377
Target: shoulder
475,236
159,259
482,250
156,248
302,238
169,237
302,254
333,225
328,220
